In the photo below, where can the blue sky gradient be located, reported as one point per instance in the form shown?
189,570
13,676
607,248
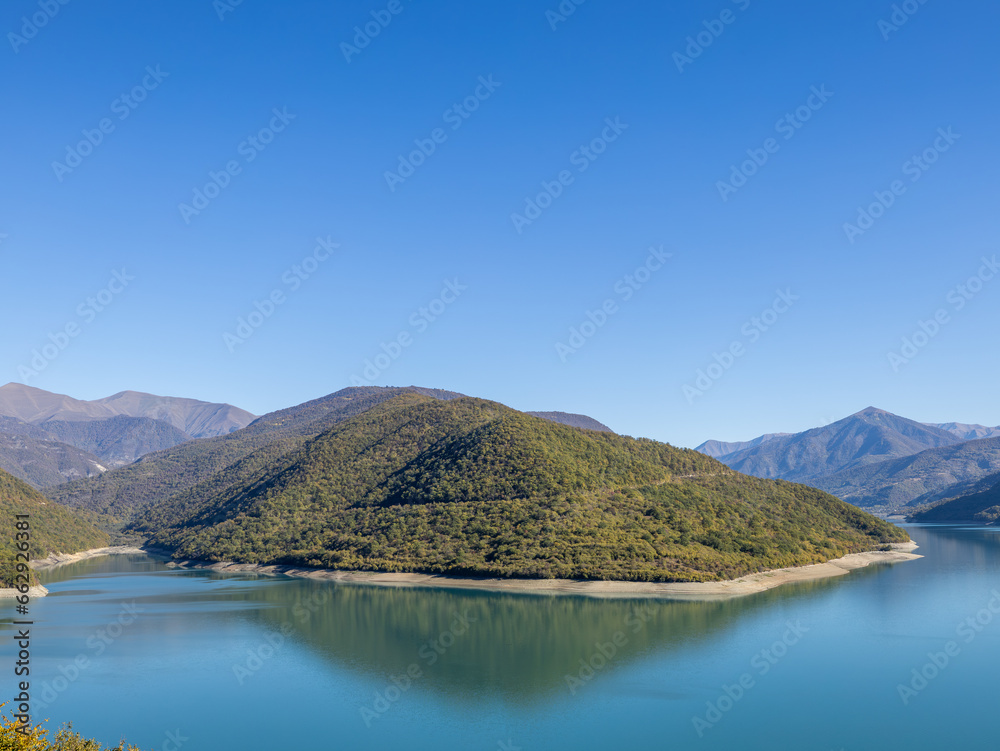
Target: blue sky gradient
497,107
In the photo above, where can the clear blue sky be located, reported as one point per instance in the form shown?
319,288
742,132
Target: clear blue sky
529,96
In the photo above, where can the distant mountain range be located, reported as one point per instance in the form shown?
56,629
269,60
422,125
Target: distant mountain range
867,437
117,440
977,502
718,449
920,478
195,418
33,455
113,442
47,439
874,459
969,432
573,420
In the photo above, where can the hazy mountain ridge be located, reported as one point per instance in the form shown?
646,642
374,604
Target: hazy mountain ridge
573,420
33,455
57,451
47,439
14,426
917,479
118,440
978,504
968,432
36,405
875,459
867,437
719,449
191,416
194,417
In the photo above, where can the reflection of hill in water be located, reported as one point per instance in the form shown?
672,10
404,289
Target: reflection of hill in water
518,645
104,565
959,545
955,538
522,646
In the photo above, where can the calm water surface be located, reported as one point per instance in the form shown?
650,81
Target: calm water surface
242,662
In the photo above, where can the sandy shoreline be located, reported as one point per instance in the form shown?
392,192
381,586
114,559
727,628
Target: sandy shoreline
10,594
746,585
60,559
688,590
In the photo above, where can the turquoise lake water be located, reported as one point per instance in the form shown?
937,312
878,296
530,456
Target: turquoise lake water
125,647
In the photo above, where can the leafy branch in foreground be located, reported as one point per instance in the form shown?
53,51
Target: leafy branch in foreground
36,739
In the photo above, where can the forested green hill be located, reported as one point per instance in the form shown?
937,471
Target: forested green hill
53,529
469,486
121,493
978,505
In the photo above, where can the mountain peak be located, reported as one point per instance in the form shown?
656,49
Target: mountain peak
871,412
22,388
866,437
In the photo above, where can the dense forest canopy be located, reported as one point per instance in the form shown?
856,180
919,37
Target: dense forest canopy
53,529
468,486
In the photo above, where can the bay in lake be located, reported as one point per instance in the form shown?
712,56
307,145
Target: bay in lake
126,647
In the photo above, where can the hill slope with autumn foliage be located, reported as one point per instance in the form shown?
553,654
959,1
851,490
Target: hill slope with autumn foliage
52,528
472,487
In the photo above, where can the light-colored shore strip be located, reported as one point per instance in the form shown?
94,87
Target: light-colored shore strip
745,585
33,592
60,559
681,590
